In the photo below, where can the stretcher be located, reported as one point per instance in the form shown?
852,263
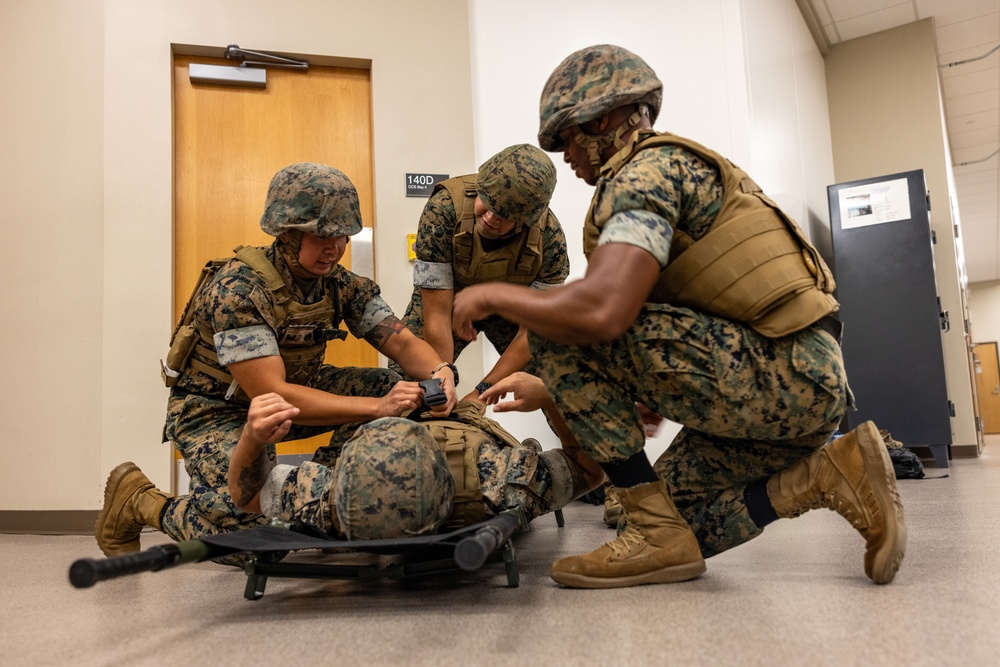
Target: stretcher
466,549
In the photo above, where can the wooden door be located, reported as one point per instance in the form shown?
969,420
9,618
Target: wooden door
987,368
229,142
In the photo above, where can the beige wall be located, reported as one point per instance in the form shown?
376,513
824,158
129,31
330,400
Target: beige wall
984,302
85,172
886,117
51,164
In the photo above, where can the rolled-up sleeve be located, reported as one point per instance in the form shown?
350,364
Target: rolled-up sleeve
433,275
246,343
641,228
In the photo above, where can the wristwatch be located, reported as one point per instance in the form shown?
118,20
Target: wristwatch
483,386
454,370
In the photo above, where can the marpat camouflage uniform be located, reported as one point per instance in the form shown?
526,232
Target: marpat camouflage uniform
504,184
237,312
364,489
750,405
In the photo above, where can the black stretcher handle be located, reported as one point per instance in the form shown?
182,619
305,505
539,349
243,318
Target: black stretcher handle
86,572
471,552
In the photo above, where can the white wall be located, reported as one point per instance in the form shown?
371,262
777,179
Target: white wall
744,78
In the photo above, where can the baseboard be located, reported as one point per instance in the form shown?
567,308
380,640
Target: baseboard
48,522
964,451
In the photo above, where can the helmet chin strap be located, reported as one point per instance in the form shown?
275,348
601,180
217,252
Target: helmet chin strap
595,145
290,248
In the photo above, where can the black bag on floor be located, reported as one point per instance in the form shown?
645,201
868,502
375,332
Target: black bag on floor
906,464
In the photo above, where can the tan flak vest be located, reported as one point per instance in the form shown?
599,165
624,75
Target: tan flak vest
518,261
754,265
294,322
460,437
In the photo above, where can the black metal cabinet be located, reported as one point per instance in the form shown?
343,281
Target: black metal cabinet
886,285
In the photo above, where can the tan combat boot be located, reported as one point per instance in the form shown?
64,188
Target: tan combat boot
130,502
656,546
612,505
853,476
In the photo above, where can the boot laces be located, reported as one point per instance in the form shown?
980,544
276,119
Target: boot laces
628,541
846,509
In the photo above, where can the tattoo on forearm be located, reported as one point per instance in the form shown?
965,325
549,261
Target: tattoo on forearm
380,332
251,479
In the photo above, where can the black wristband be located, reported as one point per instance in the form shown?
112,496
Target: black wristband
483,386
454,370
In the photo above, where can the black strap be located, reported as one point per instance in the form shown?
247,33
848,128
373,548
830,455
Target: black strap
832,326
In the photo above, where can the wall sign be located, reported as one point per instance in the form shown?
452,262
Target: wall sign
420,185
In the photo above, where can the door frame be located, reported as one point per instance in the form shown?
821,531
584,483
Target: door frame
980,394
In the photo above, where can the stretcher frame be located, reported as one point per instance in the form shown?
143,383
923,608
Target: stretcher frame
464,549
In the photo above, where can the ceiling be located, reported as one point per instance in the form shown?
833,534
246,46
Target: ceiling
965,30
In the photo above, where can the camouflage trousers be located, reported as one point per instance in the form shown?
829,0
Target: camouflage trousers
499,332
750,406
205,431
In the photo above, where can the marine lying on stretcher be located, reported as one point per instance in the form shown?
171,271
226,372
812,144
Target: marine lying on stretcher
396,477
400,477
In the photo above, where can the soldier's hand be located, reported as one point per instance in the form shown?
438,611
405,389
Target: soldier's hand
269,418
469,307
473,396
403,397
448,387
650,420
529,393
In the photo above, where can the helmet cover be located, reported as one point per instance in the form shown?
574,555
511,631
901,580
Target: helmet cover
392,480
312,198
591,82
517,183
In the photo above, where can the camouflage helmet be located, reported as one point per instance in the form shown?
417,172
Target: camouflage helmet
517,183
590,83
392,480
311,198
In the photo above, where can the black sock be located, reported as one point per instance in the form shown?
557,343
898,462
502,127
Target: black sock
633,471
758,504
